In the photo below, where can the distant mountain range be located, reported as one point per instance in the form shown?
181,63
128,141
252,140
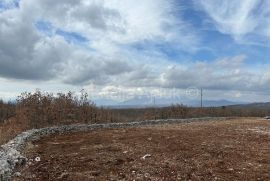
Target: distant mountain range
258,105
144,101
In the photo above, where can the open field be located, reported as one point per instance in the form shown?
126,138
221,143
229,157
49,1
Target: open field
228,150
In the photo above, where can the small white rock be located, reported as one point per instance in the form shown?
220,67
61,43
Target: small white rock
37,159
17,174
147,175
146,156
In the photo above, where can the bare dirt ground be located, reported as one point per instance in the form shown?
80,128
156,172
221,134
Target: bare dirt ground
228,150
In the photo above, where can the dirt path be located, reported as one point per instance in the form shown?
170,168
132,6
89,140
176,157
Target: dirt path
229,150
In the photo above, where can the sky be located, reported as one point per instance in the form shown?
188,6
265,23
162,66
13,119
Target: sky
119,49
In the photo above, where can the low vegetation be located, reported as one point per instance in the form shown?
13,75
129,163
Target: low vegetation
7,110
36,110
42,109
181,111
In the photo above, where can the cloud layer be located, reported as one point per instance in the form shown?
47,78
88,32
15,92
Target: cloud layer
131,44
55,46
240,19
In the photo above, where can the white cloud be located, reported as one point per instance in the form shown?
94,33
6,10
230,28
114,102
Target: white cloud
228,73
238,18
110,26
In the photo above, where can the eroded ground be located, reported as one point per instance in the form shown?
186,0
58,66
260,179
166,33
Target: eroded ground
229,150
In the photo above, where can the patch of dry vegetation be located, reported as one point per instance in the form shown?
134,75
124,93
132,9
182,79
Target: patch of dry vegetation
179,111
37,110
42,109
7,110
9,129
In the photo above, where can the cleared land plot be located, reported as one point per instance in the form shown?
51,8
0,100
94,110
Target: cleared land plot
228,150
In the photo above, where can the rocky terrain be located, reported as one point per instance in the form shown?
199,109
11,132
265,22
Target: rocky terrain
10,156
235,149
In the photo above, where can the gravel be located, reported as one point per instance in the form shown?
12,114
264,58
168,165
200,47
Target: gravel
10,156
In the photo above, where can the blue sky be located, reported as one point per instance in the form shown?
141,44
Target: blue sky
109,46
5,4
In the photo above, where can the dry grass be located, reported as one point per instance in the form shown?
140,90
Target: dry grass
44,109
41,109
181,111
9,129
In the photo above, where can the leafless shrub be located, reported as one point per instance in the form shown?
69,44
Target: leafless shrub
7,110
42,109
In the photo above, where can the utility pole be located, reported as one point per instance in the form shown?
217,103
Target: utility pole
155,111
201,98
